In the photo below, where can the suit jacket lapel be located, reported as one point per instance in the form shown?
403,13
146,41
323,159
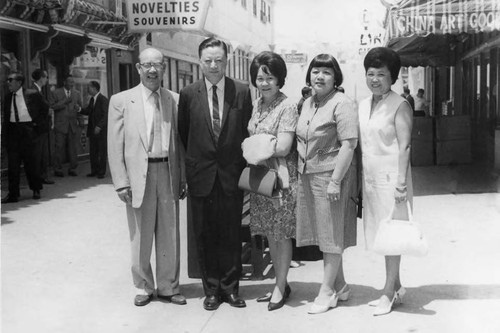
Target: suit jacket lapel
229,95
203,98
137,110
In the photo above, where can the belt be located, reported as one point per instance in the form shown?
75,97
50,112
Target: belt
157,159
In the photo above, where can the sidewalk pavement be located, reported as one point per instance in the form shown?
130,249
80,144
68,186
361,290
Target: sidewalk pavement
65,268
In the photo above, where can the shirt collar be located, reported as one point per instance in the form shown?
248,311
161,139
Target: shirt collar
146,92
38,87
220,85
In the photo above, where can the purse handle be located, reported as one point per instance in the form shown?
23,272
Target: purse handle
408,206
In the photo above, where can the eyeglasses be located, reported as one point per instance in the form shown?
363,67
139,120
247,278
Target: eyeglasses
11,78
157,65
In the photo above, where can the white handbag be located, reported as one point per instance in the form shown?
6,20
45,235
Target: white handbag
400,237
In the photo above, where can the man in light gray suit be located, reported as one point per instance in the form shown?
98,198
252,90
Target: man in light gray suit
147,166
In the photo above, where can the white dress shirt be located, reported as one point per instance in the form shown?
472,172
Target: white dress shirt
220,95
22,108
149,109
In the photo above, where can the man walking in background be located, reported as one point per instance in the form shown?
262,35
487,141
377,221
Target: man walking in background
97,111
147,166
66,102
213,118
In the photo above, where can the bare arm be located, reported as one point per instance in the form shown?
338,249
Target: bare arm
344,159
403,124
283,144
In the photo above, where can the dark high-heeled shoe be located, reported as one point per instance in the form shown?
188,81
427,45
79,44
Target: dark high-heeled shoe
275,306
265,298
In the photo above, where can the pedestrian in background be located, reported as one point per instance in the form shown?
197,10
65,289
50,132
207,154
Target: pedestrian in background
421,104
147,166
24,115
274,114
306,93
66,102
406,95
213,119
97,111
40,79
385,129
327,134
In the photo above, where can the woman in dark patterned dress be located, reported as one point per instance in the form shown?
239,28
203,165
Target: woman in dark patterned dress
274,114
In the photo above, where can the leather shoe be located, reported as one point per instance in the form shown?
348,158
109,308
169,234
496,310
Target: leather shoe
100,176
10,198
234,300
47,181
265,298
36,194
72,173
211,303
275,306
58,174
91,174
141,300
174,299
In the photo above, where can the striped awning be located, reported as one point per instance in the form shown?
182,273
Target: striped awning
423,17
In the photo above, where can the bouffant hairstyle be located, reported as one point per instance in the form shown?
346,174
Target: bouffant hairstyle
326,60
379,57
212,42
271,64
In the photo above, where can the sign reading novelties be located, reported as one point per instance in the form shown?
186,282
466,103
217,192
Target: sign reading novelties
155,15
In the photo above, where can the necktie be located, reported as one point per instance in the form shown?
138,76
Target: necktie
215,112
68,93
16,112
91,103
155,138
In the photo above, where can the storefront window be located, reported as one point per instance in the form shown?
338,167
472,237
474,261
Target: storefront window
90,66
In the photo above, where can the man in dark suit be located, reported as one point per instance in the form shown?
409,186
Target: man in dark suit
66,102
97,110
213,119
23,115
40,79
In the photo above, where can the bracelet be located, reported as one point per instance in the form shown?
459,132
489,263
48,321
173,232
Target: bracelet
336,182
401,189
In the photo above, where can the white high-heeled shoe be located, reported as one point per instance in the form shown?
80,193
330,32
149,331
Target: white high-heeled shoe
399,300
344,293
320,308
382,310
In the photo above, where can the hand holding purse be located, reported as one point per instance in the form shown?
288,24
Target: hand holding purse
261,180
400,237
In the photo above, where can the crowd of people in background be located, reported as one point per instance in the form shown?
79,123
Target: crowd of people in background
161,150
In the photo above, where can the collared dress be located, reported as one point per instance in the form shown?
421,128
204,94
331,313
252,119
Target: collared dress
380,155
321,126
268,216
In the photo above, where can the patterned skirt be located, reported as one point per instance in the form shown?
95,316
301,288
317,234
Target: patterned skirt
272,217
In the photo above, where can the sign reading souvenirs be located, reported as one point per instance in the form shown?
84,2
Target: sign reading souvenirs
297,58
154,15
445,17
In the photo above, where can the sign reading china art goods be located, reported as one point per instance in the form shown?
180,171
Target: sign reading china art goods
444,17
155,15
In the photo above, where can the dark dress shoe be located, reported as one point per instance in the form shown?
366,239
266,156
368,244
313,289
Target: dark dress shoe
72,173
91,174
100,176
47,181
265,298
275,306
141,300
211,303
174,299
234,300
10,198
58,174
36,194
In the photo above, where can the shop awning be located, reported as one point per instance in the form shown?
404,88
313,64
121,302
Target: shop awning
427,32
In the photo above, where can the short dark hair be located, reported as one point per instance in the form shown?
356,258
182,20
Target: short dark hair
406,89
306,90
17,76
271,63
326,60
212,42
379,57
95,84
420,91
38,74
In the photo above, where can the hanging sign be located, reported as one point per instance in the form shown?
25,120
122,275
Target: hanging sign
155,15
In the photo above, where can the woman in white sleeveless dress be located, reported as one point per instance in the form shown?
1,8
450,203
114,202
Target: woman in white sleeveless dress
385,120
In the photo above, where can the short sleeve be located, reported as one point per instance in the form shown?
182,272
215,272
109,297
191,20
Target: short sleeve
347,121
288,119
